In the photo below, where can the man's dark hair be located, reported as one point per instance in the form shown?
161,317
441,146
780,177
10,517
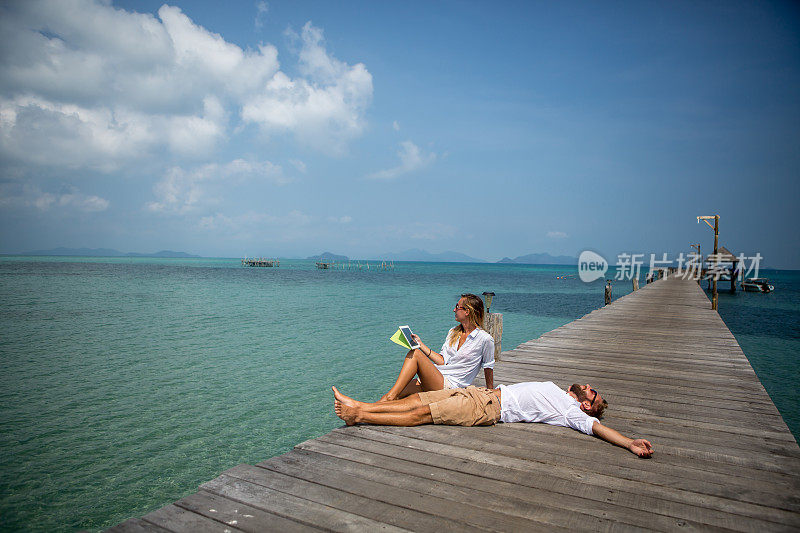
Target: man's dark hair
599,409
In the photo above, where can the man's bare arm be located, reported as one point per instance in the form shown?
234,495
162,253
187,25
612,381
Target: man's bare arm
640,447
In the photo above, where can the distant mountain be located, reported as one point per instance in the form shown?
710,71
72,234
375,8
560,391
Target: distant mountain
327,257
416,254
104,252
541,259
162,253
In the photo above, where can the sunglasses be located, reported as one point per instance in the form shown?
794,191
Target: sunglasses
462,308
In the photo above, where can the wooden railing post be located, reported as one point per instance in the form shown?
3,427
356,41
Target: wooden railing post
493,324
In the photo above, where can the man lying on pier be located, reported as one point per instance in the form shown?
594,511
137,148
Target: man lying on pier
578,408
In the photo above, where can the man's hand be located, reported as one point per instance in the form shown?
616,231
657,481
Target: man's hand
641,447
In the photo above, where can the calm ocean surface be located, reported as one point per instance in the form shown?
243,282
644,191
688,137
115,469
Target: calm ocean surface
127,382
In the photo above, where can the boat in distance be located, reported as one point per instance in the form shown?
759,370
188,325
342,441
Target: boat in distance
757,285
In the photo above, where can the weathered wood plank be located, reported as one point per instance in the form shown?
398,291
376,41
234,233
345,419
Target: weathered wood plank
550,499
394,507
179,520
237,514
136,525
568,476
464,509
306,510
766,492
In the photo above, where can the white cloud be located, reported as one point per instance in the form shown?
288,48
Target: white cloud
557,235
325,109
183,191
262,8
86,84
299,165
396,126
44,132
83,202
15,195
411,159
194,135
341,220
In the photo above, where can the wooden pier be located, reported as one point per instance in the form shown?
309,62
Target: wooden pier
672,372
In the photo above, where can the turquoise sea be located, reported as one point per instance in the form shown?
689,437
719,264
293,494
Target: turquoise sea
127,382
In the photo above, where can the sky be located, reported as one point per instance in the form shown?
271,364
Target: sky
492,129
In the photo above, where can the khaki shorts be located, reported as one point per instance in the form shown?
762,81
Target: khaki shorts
472,406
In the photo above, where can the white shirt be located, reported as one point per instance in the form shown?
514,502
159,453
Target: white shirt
543,402
461,365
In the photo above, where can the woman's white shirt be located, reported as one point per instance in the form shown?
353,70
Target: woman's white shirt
461,365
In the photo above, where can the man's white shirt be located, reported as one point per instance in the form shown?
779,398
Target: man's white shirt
543,402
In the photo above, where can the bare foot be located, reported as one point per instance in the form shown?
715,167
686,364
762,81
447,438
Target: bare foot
345,407
344,412
346,400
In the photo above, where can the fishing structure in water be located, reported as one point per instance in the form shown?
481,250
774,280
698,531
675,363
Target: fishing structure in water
356,264
260,262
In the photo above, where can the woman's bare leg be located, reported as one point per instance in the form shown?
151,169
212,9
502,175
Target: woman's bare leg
415,364
412,388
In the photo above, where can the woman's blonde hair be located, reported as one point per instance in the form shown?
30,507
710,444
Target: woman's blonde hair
474,307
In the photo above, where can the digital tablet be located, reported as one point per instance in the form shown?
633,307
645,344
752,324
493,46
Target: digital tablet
406,331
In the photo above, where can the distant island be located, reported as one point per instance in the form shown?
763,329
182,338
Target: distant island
106,252
328,257
541,259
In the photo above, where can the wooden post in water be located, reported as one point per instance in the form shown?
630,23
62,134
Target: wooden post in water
493,324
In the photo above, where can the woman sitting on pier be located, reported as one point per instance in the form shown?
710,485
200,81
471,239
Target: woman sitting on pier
467,349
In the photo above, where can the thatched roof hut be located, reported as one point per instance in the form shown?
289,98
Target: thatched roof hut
723,256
